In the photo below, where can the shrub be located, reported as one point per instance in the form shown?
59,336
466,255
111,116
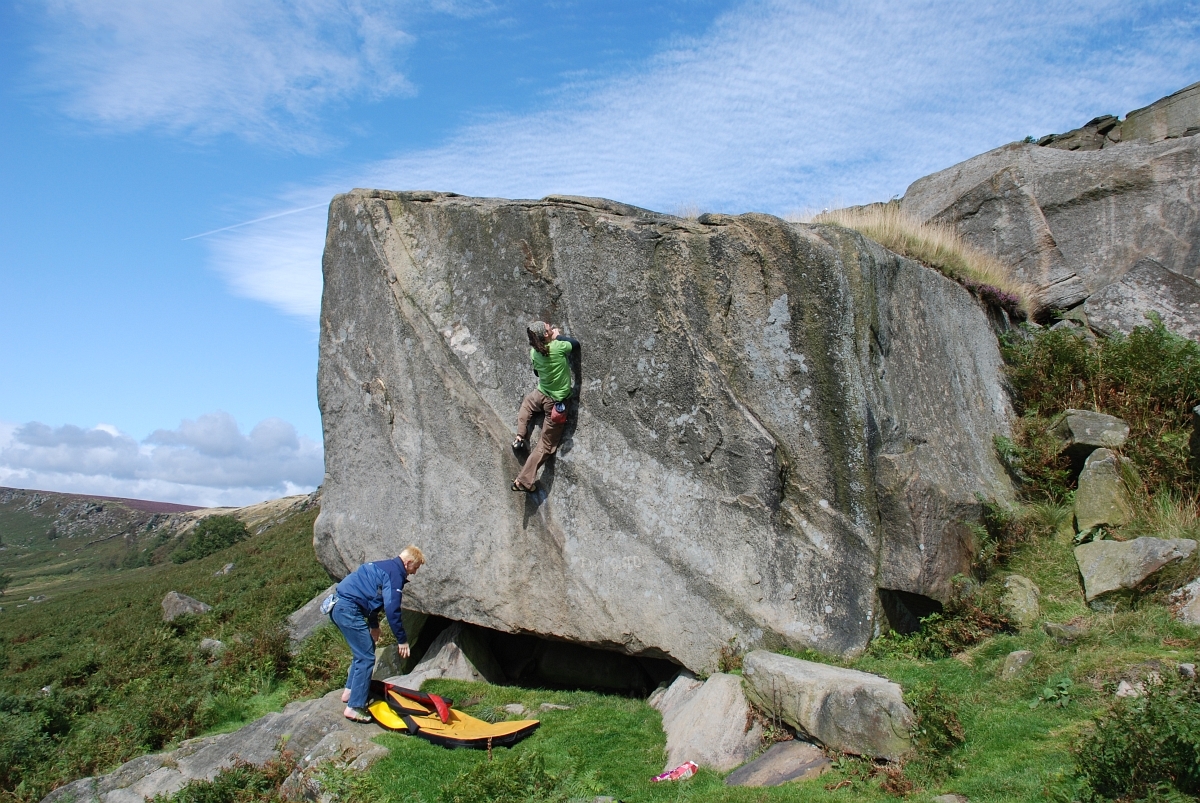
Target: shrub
1146,746
509,779
241,783
937,731
1150,379
212,534
940,247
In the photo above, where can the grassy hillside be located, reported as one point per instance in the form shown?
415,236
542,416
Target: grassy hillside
92,676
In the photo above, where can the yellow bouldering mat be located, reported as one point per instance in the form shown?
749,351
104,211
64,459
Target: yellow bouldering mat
395,712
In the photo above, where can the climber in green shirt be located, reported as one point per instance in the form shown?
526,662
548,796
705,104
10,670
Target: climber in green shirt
549,352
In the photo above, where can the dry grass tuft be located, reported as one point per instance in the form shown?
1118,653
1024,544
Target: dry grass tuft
938,246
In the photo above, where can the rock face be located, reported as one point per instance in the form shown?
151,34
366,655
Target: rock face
775,421
315,730
1109,566
844,709
1148,286
1074,222
1101,497
175,604
709,724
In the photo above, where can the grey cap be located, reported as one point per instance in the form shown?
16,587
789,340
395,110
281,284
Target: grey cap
538,328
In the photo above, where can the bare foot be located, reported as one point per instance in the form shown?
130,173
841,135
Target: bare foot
346,696
356,715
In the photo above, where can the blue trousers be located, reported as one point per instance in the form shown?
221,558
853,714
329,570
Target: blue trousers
350,620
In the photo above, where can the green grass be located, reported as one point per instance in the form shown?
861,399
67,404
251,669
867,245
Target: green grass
122,682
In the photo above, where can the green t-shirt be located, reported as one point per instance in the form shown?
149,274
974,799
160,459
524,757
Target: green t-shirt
554,371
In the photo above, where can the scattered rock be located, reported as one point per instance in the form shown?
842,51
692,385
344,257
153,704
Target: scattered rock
38,598
1186,603
305,620
226,569
458,653
1063,634
783,762
710,724
1102,497
950,798
844,709
554,707
1082,431
1109,566
175,605
1147,287
1020,600
1187,671
667,696
1127,689
516,709
1014,662
212,647
314,729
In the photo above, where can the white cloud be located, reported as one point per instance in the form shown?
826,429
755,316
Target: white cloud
781,106
207,461
261,69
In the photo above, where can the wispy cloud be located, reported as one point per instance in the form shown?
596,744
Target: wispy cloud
208,461
261,69
781,106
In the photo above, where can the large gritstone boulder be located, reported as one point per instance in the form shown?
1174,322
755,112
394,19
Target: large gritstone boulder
1074,222
775,421
844,709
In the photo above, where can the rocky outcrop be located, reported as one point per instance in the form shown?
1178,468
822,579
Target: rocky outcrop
456,654
305,620
1074,222
1110,566
844,709
314,731
775,420
709,723
1147,287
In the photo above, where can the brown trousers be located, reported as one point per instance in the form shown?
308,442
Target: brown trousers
547,444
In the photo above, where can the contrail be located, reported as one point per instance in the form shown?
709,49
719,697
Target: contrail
256,220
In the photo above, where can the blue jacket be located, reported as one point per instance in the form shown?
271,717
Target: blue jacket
374,587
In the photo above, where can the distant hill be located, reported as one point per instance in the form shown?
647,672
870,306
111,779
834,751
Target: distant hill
48,538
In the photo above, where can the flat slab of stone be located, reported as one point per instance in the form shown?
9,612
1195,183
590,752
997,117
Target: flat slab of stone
1083,431
1109,566
305,620
175,605
782,763
844,709
710,724
1101,498
1147,287
315,730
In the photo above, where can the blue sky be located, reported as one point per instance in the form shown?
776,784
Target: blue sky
142,360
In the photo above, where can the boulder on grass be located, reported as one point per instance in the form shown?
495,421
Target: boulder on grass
458,653
305,620
1102,498
1110,566
843,709
175,605
710,724
1020,600
1014,662
783,762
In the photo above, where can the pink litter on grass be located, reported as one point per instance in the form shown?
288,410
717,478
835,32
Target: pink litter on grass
685,770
